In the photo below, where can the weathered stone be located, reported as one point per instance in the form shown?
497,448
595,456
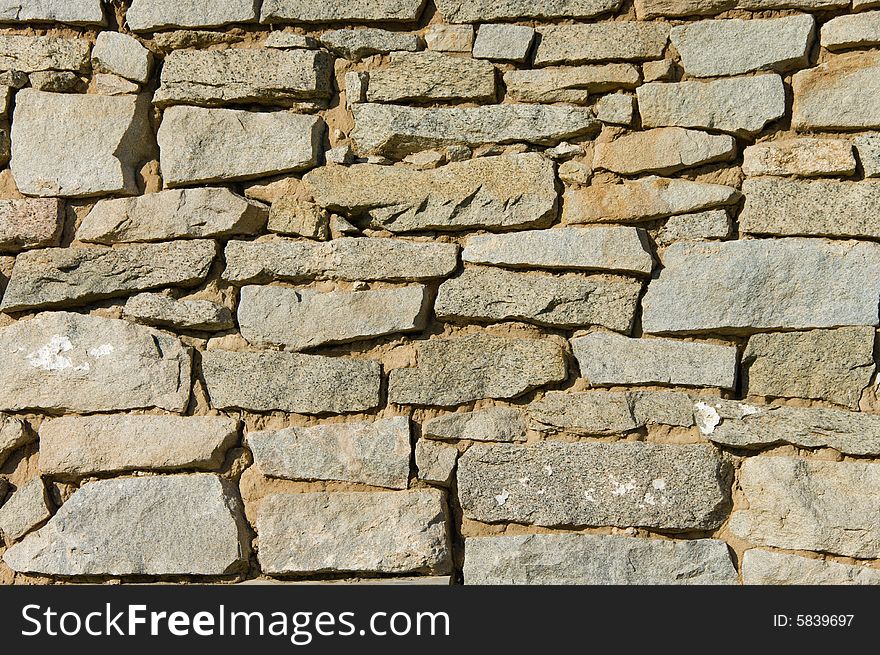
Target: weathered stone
612,359
164,311
580,44
712,224
500,42
266,76
358,44
25,510
432,76
802,504
291,41
494,424
75,12
295,215
800,157
474,11
158,525
85,445
391,260
762,567
643,199
335,11
510,191
76,276
712,48
435,461
764,284
104,138
122,55
13,435
616,109
840,93
30,54
304,384
568,301
30,223
859,31
646,9
356,87
868,147
569,83
450,38
150,15
575,172
400,131
739,105
457,370
375,453
109,85
586,559
658,71
628,483
207,145
64,82
662,150
178,40
379,532
302,318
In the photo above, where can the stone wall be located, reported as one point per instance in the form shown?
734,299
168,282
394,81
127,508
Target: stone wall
492,291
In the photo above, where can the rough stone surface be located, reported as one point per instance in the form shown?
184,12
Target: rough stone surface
30,223
838,94
450,38
868,147
504,42
712,224
149,15
472,11
354,11
859,31
662,150
616,109
382,532
375,453
572,84
162,525
431,77
560,559
494,424
435,461
13,435
800,157
290,41
76,12
646,9
164,311
581,44
25,510
31,54
762,567
624,484
358,44
122,55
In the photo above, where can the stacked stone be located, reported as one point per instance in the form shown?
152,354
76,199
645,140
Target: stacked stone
287,281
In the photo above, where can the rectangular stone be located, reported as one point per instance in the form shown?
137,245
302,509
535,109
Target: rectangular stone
646,9
339,11
86,445
587,559
493,424
840,93
509,191
375,453
367,532
288,382
569,83
762,567
389,260
662,150
567,301
56,277
358,44
30,223
456,370
739,105
859,31
582,44
804,157
712,224
150,15
801,504
25,510
551,483
303,318
432,76
612,359
185,314
264,76
476,11
30,54
201,145
755,285
501,42
868,147
435,461
75,12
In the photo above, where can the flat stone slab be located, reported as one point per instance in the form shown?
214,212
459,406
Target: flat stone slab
13,435
586,559
646,9
701,226
163,311
375,453
804,157
838,94
25,510
662,150
432,76
494,424
337,11
868,147
31,54
478,11
358,44
763,567
366,532
572,84
675,487
160,525
859,31
75,12
85,445
754,285
122,55
30,223
150,15
614,41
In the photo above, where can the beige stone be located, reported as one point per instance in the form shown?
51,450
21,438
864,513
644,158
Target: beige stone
806,157
572,84
663,150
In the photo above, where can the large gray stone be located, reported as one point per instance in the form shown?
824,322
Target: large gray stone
803,157
101,141
164,311
375,453
13,435
675,487
75,12
30,54
567,301
304,384
201,145
85,445
801,504
586,559
366,532
161,525
838,94
608,41
512,191
457,370
502,42
57,277
569,83
76,363
431,77
662,150
762,567
859,31
476,11
342,259
493,424
335,11
149,15
646,9
399,131
30,223
358,44
754,285
302,318
25,510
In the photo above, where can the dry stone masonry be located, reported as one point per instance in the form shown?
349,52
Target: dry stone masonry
479,291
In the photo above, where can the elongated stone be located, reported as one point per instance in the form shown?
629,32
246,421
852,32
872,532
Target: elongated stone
30,54
85,445
586,559
500,42
335,11
762,567
25,510
344,259
158,525
150,15
76,276
375,453
163,311
476,11
75,12
358,44
304,384
754,285
301,319
367,532
461,369
711,224
859,31
569,83
30,223
494,424
432,76
676,487
511,191
570,300
662,150
800,157
586,43
646,9
838,94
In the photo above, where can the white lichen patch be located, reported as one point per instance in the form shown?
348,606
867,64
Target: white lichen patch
101,351
51,358
502,497
706,417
